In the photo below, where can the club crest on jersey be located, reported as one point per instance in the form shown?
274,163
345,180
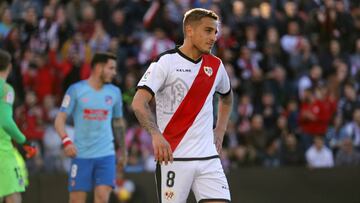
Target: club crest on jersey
208,70
108,100
169,195
85,99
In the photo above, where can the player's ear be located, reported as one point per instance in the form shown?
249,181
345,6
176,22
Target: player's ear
9,68
189,31
96,68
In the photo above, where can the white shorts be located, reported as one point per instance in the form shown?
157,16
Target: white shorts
205,177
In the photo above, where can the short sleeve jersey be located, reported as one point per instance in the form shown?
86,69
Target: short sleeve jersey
169,80
92,112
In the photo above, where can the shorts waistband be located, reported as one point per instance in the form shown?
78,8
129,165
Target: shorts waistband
196,158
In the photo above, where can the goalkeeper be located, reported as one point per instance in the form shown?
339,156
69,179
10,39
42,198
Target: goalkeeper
12,180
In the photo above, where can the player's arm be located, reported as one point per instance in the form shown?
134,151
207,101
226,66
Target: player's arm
146,118
67,107
9,126
119,131
224,110
60,122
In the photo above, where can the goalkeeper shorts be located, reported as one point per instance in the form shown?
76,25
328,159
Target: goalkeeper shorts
11,176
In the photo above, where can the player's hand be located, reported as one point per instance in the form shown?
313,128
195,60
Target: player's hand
69,147
70,150
162,149
218,138
122,161
30,149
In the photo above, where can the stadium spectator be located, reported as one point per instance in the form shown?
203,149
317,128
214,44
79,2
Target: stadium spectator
6,23
29,117
349,102
269,110
271,157
352,129
310,80
272,53
154,45
347,155
280,86
318,155
335,133
291,153
257,136
313,118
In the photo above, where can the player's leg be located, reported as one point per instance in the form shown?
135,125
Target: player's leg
13,198
104,176
80,179
10,174
210,184
173,181
214,201
102,194
77,197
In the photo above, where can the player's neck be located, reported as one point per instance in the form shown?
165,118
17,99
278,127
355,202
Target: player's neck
95,82
4,75
190,51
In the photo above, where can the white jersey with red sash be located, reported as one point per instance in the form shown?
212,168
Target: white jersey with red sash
183,90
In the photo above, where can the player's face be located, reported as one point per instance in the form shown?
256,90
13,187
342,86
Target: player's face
108,71
204,35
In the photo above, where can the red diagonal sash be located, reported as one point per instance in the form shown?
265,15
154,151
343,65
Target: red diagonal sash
193,102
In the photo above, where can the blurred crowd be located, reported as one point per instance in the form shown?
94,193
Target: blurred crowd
294,67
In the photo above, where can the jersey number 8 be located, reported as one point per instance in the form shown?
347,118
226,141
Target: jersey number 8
170,178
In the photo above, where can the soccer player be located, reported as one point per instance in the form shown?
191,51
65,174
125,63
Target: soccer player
12,181
183,82
96,108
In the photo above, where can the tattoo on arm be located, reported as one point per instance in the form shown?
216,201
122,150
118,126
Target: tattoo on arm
119,131
146,119
227,99
225,106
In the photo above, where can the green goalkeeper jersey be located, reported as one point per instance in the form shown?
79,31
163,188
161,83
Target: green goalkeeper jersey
8,128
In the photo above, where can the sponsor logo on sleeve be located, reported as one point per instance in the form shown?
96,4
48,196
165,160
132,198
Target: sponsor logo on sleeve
10,97
66,101
145,77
